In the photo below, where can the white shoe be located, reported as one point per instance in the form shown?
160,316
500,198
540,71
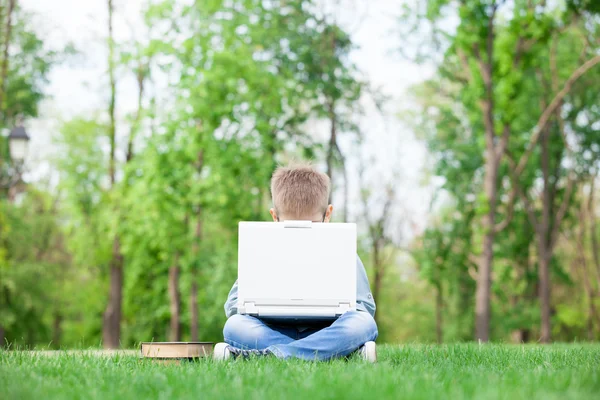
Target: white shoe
368,352
221,352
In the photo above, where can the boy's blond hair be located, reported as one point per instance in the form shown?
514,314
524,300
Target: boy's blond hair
299,191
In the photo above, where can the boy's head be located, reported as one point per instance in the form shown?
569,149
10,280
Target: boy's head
300,193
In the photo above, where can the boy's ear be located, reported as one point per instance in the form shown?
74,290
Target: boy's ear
328,213
273,214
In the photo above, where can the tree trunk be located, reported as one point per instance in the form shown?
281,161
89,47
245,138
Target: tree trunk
439,305
493,154
135,126
4,302
346,194
332,145
378,278
592,312
113,95
584,273
544,279
57,329
333,120
194,309
111,329
484,275
345,179
522,269
175,301
377,269
594,227
543,233
195,325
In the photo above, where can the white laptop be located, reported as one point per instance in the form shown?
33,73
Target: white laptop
296,269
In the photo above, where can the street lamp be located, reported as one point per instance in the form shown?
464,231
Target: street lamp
12,171
17,143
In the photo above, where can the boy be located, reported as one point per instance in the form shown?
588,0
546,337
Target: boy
301,193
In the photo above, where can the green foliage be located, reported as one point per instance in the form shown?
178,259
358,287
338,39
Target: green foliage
83,186
249,75
28,249
35,274
29,65
533,51
238,80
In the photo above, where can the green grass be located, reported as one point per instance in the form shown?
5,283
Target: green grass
407,372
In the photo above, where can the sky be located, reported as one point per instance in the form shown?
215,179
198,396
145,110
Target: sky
391,153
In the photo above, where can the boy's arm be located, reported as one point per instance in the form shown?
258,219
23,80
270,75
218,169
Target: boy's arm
364,298
231,303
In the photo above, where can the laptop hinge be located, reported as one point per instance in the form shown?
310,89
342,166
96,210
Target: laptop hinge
297,224
248,307
344,307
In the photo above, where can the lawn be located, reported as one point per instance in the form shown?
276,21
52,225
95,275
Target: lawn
407,372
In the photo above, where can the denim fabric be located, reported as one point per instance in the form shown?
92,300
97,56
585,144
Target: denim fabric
341,338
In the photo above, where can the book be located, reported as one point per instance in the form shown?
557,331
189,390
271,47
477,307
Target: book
176,350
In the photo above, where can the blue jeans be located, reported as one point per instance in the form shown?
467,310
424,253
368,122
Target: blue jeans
341,338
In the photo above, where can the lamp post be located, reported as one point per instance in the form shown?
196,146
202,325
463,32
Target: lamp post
11,172
18,141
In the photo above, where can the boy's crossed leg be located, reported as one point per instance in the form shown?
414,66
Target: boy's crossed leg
345,335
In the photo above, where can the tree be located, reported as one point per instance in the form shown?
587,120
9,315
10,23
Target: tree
551,130
32,308
442,253
25,63
255,81
111,327
334,81
489,63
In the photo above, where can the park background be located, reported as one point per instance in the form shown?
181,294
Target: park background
462,136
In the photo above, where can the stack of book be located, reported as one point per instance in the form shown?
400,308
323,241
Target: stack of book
175,352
